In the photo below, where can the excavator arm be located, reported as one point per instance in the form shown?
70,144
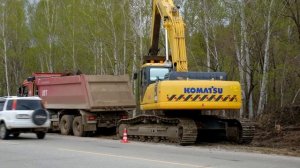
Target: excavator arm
174,26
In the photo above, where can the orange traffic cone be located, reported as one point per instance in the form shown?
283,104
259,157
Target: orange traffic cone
124,140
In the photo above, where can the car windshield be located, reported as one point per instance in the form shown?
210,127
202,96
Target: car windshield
158,73
24,105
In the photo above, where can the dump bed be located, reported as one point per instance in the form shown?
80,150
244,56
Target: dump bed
89,92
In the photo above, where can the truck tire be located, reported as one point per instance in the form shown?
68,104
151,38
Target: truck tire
4,133
78,127
16,135
40,135
39,117
65,124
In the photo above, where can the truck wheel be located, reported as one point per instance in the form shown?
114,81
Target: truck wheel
120,130
4,133
66,124
40,135
39,117
16,135
78,127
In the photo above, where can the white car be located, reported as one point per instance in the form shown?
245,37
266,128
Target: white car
22,115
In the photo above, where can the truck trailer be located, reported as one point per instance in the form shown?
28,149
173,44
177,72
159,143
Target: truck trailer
81,104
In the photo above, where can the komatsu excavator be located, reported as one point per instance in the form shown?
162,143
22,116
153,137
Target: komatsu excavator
173,101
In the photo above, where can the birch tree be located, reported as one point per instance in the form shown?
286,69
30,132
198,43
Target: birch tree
245,60
43,27
108,7
206,35
264,81
51,18
69,38
141,21
4,43
241,73
124,5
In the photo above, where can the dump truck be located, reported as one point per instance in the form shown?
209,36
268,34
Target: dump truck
81,104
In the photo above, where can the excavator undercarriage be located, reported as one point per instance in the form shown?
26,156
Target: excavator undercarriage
186,130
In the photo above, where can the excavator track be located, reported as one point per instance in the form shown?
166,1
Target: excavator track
155,128
189,131
183,131
247,132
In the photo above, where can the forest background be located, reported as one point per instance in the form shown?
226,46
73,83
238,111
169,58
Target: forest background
256,42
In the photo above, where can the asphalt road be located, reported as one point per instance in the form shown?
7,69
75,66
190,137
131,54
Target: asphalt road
74,152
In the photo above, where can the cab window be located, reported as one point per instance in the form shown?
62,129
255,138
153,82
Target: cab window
158,73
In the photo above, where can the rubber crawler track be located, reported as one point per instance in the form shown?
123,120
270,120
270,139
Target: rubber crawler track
247,132
187,127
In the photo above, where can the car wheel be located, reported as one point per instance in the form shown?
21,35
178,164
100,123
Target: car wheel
66,124
4,133
78,127
40,135
39,117
16,135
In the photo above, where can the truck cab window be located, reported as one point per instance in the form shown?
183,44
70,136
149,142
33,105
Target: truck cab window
25,91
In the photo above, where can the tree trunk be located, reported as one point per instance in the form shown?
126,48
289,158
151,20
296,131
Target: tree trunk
5,50
101,59
242,80
109,12
124,37
50,17
294,99
264,82
41,62
96,56
216,54
246,60
73,37
134,70
282,84
141,35
293,7
206,36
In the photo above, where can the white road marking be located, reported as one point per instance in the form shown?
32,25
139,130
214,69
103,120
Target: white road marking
9,143
134,158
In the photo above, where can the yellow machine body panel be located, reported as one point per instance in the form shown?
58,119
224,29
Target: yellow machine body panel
192,94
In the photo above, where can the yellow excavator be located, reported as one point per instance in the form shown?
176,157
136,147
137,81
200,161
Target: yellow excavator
174,101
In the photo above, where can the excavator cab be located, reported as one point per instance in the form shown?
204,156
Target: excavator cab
151,73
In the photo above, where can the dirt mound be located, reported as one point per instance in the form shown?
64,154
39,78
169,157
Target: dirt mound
288,116
280,130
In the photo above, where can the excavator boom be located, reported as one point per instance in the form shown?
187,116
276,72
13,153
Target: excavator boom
174,26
